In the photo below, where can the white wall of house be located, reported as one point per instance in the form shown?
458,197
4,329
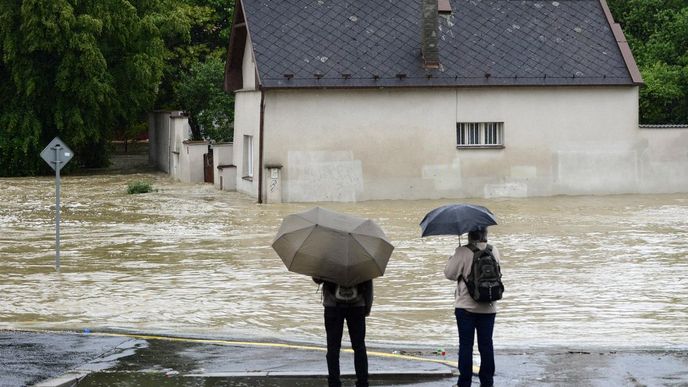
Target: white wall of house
248,67
349,145
568,140
246,126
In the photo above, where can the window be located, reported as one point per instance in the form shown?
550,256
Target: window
480,135
248,157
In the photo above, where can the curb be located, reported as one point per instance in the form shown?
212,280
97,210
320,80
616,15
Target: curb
70,379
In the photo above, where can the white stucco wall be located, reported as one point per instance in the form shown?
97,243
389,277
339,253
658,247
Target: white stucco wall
348,145
180,131
166,129
246,122
224,176
663,154
166,132
191,161
558,140
248,67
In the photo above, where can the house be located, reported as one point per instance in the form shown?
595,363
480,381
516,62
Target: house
353,100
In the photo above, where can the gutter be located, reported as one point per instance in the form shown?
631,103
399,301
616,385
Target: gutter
621,41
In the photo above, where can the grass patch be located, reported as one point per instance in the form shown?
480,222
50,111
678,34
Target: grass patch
139,187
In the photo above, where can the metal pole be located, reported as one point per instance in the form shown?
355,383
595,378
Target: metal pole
57,209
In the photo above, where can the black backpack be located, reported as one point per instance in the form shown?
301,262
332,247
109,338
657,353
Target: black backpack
484,283
345,294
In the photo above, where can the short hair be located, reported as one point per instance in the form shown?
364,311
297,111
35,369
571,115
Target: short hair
479,235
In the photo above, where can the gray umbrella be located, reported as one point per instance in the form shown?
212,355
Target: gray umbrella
456,219
336,247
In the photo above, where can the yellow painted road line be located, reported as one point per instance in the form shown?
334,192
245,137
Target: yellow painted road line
276,345
450,363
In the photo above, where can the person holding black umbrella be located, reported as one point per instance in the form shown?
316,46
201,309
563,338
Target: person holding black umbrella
352,304
473,316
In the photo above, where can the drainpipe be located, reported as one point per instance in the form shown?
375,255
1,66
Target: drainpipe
260,145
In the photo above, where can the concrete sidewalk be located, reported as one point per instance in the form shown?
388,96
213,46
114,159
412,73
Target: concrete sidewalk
96,359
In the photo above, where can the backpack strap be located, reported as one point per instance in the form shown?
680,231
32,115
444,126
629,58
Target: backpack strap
473,247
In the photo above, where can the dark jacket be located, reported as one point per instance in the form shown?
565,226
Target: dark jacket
364,288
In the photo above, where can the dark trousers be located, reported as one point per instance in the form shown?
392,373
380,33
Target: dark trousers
468,324
334,326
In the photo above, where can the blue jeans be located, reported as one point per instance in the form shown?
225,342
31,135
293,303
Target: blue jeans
334,326
468,324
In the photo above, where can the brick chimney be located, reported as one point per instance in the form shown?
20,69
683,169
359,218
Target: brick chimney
429,50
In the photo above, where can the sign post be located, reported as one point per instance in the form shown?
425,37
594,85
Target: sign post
57,154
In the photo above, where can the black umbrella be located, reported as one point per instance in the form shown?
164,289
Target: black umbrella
456,219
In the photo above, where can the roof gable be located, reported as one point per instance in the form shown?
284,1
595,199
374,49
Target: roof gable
353,43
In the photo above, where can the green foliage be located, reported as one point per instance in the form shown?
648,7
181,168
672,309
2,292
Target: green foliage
657,31
210,108
208,36
76,69
664,98
139,187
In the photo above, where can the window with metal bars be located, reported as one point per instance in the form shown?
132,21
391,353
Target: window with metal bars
480,135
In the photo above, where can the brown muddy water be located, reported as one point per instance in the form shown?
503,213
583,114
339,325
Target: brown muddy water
602,271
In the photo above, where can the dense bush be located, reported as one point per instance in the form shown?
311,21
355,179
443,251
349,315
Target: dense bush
139,187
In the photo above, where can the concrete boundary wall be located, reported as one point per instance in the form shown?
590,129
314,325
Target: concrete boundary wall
166,131
663,158
170,148
225,174
191,162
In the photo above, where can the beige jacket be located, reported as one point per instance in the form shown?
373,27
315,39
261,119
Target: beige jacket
460,263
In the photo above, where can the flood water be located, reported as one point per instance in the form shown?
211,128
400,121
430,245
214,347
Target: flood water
579,272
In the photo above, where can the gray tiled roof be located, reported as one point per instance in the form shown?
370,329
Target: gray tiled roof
376,43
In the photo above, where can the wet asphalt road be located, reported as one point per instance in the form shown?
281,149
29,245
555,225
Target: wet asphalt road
27,358
30,357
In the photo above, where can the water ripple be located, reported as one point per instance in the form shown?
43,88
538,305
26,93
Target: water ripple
579,271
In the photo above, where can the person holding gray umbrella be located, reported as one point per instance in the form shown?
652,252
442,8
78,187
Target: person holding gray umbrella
343,253
353,305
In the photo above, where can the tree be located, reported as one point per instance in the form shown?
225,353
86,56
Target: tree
657,31
202,95
76,69
207,36
194,70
